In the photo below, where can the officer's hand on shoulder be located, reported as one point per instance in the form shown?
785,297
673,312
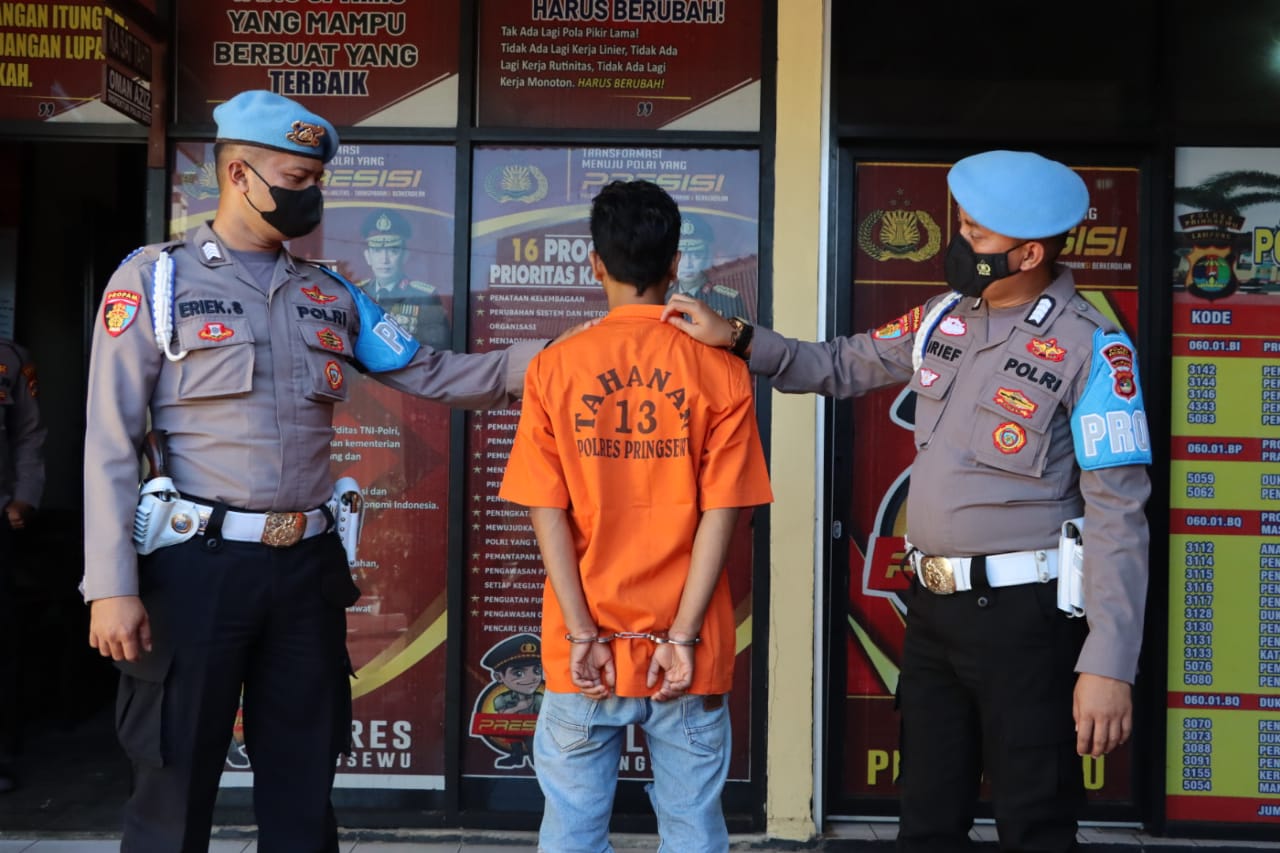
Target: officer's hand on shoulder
119,627
697,320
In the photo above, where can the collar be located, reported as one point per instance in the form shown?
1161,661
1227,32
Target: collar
206,246
626,312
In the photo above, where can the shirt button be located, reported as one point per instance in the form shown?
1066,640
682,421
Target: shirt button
983,601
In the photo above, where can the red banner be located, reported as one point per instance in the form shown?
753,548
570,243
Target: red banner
670,65
381,62
51,61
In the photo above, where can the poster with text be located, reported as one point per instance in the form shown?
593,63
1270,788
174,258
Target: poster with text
666,65
388,227
372,63
904,218
51,61
1223,758
531,279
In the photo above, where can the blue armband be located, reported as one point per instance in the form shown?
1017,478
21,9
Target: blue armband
1109,423
382,343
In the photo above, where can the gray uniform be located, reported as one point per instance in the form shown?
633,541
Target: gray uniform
249,410
21,432
971,497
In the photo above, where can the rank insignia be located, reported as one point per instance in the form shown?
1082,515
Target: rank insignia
953,326
333,375
119,310
928,377
1013,400
316,295
214,332
1048,349
210,251
1009,437
329,339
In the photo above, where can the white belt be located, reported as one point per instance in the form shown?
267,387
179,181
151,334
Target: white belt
945,575
277,529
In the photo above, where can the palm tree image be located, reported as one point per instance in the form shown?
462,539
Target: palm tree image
1215,261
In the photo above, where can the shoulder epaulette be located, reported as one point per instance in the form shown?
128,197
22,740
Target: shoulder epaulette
152,250
1084,308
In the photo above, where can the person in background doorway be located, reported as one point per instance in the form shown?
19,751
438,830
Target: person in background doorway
243,582
22,438
635,452
1029,423
414,304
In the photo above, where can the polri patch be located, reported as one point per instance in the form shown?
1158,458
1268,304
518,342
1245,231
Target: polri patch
214,332
333,375
1046,349
315,294
1009,437
907,324
1013,400
119,309
329,339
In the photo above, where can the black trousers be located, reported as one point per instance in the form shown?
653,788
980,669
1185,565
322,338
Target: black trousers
270,622
986,688
9,645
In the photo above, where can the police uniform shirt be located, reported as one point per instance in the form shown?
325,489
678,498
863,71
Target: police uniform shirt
21,432
995,469
249,409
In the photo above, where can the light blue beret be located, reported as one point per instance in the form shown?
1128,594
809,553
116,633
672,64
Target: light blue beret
268,120
1019,194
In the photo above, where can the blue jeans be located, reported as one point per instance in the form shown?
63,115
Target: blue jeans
577,747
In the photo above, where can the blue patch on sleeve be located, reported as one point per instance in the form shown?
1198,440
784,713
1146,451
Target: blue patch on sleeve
1109,424
382,344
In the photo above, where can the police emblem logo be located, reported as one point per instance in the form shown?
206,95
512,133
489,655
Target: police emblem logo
214,332
181,522
1046,349
1009,437
333,375
315,294
305,133
928,377
1013,400
888,331
984,268
953,326
119,309
330,340
1120,358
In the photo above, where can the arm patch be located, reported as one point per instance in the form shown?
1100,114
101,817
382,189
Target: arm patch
1109,423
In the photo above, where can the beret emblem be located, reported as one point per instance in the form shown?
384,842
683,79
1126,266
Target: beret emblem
305,133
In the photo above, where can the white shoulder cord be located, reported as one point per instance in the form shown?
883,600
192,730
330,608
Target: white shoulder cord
162,306
931,320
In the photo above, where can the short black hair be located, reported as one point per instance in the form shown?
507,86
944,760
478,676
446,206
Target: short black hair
635,227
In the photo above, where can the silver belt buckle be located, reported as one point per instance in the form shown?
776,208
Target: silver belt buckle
938,575
284,529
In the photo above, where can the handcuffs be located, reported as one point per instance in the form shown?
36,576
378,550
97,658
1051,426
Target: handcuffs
658,637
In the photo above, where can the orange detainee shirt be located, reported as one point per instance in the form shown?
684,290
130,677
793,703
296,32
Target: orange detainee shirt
635,429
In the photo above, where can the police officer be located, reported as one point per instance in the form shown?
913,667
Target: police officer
516,663
1028,415
21,484
415,304
238,351
691,275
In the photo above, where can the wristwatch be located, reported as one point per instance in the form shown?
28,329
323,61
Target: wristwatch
740,342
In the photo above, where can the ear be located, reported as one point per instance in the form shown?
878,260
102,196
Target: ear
238,174
674,271
1034,255
598,272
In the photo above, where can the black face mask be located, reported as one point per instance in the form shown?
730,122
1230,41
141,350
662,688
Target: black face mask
297,212
969,273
